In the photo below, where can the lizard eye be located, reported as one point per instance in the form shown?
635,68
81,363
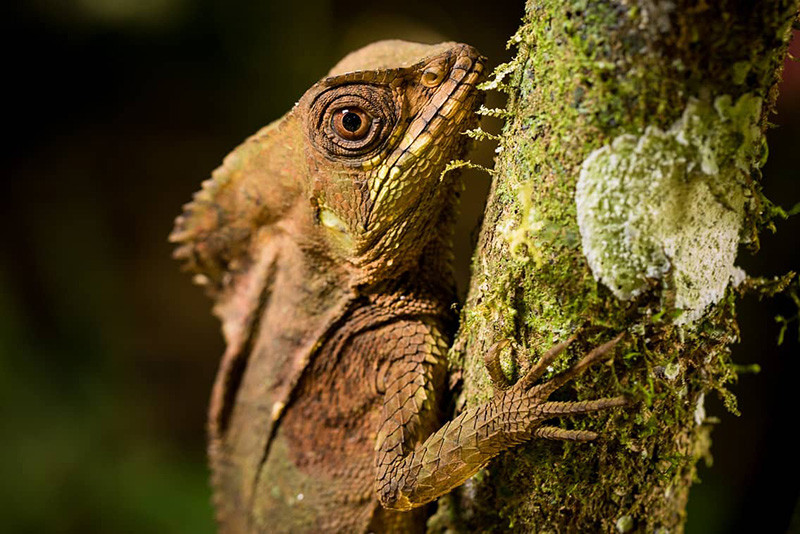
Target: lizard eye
351,123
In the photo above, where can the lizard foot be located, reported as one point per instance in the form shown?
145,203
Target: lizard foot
539,393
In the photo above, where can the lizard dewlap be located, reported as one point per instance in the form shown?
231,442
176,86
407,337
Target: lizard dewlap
325,242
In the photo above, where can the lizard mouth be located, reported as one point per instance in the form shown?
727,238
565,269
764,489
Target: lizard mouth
448,112
434,135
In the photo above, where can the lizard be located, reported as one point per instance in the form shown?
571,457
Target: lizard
325,240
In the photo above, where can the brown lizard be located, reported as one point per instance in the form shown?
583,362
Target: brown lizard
325,240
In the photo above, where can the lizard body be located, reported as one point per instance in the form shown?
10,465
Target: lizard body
325,242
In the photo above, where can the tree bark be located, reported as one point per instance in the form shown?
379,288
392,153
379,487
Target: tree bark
627,177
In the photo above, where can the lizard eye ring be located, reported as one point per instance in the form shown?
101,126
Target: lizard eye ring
351,123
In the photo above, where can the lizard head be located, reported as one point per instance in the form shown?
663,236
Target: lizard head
354,173
381,129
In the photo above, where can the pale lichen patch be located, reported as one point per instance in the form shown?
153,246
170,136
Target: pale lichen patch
671,204
700,410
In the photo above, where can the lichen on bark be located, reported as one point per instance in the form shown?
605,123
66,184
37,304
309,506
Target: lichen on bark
671,204
653,112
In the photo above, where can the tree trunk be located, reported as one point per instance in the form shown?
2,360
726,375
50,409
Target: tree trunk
627,177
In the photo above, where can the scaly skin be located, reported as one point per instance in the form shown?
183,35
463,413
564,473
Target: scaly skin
325,240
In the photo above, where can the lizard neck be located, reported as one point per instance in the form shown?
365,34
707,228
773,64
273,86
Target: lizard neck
424,266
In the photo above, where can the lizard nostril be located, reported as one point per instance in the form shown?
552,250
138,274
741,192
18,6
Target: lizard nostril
432,76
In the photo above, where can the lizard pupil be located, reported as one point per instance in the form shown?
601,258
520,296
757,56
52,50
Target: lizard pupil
351,121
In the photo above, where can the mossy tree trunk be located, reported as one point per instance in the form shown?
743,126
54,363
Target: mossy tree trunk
628,176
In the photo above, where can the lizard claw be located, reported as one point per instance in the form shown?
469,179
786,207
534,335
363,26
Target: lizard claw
491,360
536,372
595,355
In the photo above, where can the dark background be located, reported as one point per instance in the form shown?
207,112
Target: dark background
115,111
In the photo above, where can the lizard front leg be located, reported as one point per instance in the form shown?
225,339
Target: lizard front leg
412,472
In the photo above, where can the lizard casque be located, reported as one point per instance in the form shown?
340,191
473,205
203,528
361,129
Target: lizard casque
325,240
